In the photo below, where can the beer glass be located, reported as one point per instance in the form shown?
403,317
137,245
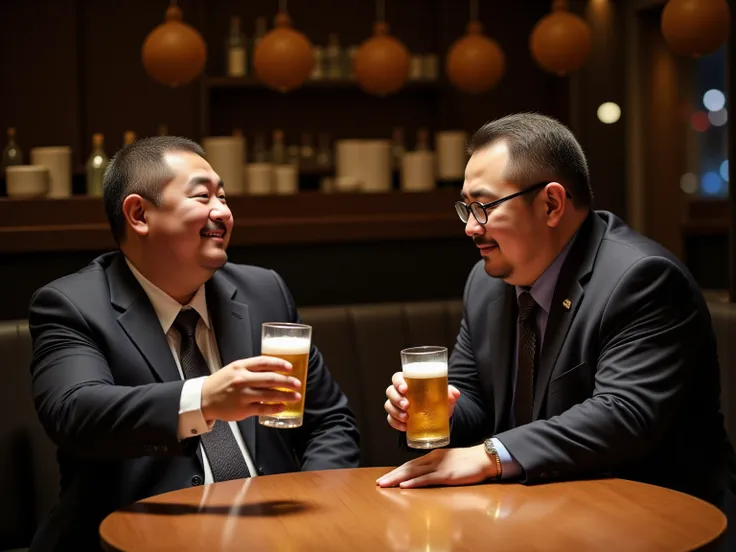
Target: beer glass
425,373
290,342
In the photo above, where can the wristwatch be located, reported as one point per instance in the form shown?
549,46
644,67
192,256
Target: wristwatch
493,453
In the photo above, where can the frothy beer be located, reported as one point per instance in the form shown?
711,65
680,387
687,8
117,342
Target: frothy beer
428,423
294,350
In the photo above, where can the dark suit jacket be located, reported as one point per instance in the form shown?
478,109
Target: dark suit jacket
107,391
627,383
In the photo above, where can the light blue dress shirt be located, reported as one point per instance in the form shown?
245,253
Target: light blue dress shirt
542,291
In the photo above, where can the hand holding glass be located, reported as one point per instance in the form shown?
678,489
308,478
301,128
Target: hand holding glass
425,374
290,342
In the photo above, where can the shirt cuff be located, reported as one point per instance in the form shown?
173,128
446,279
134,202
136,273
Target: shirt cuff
191,420
510,468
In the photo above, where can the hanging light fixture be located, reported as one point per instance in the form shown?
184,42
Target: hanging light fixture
475,63
174,53
560,42
284,58
381,63
695,27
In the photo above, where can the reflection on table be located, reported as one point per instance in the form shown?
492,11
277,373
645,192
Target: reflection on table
345,510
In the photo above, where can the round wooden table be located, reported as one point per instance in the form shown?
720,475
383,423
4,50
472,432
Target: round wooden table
344,510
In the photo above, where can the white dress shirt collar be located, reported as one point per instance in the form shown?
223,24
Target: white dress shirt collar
166,307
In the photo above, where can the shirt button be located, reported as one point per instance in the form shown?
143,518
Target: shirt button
196,480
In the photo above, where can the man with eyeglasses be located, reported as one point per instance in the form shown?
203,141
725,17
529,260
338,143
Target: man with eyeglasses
585,348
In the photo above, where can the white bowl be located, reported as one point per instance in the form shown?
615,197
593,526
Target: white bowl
27,181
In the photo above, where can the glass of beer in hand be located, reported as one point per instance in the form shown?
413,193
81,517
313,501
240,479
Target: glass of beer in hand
290,342
425,373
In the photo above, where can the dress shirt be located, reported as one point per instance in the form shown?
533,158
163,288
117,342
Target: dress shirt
542,291
191,420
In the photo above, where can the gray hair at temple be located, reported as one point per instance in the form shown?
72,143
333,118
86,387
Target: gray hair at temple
139,168
540,149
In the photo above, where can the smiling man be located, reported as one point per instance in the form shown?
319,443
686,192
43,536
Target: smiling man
585,348
147,372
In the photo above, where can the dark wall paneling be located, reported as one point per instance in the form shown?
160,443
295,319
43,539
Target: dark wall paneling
39,73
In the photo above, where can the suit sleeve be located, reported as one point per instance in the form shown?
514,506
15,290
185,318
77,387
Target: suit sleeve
79,404
329,436
472,419
646,362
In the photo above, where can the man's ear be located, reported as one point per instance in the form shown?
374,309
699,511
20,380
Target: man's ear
135,213
555,203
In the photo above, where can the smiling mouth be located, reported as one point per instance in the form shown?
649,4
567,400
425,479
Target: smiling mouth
212,234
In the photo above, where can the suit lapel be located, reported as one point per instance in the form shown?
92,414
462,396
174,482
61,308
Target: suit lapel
231,322
501,346
566,301
139,321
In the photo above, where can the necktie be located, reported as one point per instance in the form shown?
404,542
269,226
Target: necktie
225,458
527,357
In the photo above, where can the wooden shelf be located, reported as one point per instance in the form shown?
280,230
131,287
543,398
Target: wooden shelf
79,223
214,83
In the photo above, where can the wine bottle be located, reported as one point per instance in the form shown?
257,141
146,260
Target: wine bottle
236,52
12,154
129,137
96,165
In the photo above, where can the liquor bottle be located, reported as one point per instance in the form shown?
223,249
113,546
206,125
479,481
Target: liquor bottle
96,165
236,50
334,63
397,148
260,32
129,137
238,133
260,155
422,140
324,151
12,154
307,153
278,148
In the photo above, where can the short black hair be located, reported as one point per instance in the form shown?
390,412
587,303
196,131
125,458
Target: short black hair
540,149
139,168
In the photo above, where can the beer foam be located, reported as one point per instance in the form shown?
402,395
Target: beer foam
285,345
425,370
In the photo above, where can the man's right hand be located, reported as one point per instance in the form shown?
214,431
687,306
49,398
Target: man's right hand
397,404
241,388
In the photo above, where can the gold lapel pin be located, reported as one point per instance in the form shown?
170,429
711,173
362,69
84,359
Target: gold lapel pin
567,304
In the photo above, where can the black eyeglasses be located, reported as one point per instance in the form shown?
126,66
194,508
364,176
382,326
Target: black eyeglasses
480,210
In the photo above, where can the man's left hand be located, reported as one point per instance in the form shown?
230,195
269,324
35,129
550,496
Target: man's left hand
460,466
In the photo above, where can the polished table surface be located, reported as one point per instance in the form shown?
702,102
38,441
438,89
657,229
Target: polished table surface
343,510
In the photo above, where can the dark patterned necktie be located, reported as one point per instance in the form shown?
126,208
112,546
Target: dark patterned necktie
527,357
225,458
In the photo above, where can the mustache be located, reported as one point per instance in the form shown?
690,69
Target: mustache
478,241
212,226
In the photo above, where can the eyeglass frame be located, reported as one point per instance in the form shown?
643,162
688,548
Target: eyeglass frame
496,202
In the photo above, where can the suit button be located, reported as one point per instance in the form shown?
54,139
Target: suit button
543,475
261,471
196,480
